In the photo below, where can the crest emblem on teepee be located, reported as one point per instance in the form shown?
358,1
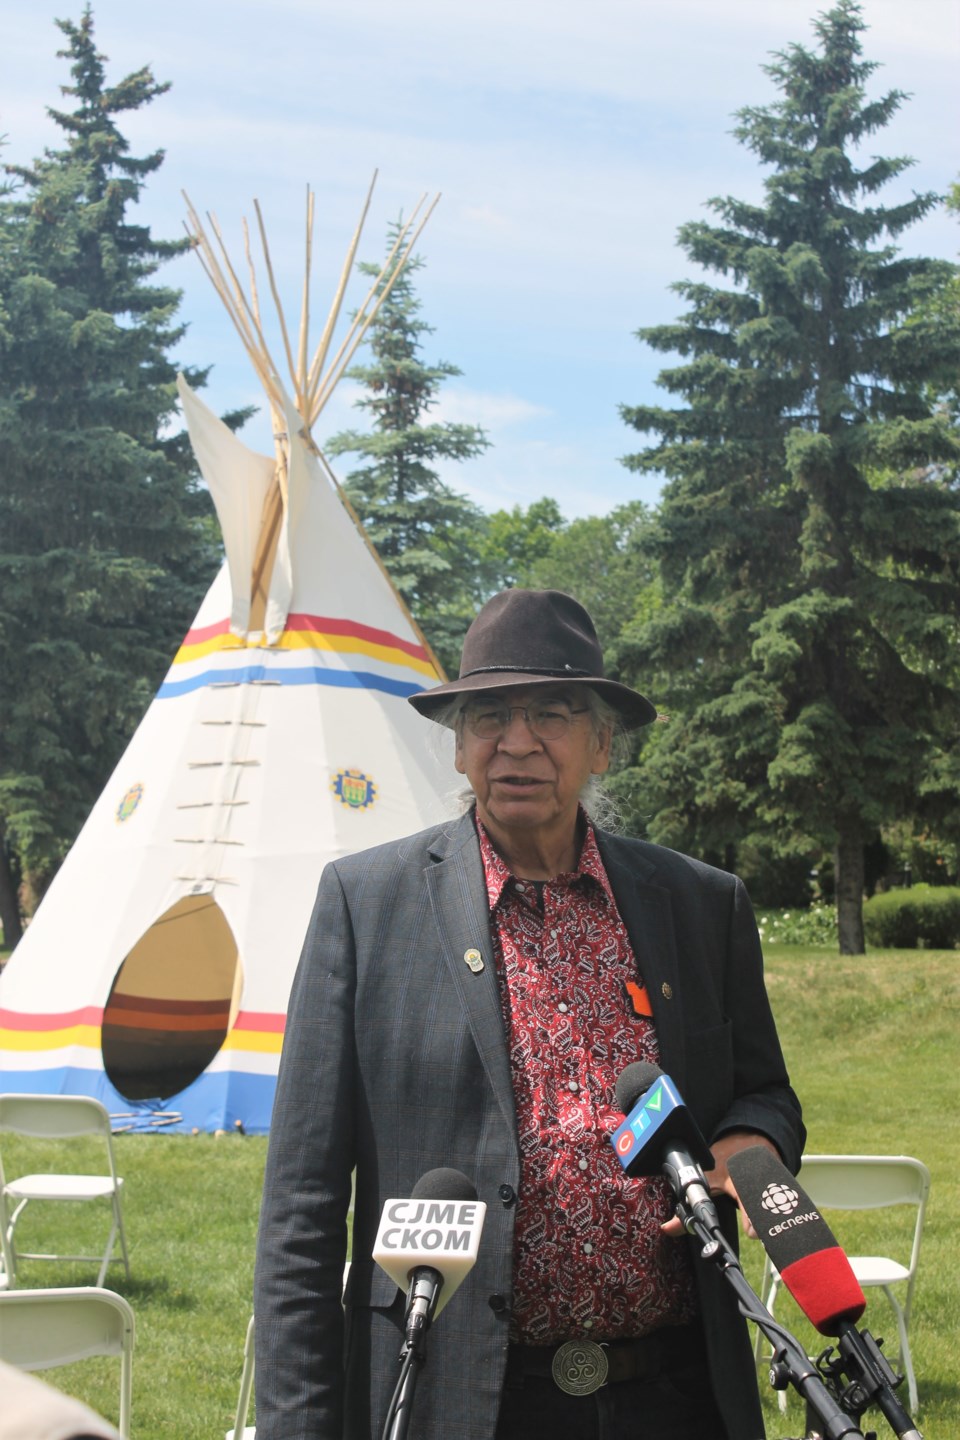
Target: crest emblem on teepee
172,1013
354,788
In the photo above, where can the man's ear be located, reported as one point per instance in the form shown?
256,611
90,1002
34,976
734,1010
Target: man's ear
458,756
601,756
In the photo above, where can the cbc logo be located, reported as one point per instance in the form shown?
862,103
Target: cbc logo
779,1199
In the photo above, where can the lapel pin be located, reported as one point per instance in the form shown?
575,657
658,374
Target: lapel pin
666,991
474,960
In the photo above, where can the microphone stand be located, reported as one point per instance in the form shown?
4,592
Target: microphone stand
412,1357
871,1378
790,1361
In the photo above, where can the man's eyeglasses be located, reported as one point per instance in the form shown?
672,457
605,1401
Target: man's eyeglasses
548,719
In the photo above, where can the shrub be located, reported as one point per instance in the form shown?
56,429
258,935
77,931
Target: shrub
924,916
816,925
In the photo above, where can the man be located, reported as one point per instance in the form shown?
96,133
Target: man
466,998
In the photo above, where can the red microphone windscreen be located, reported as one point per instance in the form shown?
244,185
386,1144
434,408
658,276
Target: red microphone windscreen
825,1288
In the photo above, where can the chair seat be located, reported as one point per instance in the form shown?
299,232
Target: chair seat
61,1187
878,1270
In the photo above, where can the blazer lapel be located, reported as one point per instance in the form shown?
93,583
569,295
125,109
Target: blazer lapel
454,880
645,909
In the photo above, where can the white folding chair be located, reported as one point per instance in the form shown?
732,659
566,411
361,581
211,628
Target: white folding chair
868,1182
241,1430
43,1328
57,1117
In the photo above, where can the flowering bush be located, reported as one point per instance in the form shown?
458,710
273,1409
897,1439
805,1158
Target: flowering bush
814,926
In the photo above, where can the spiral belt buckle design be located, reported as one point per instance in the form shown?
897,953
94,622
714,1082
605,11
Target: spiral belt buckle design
580,1366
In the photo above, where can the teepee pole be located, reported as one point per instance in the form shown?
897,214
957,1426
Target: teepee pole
319,359
274,292
313,386
361,314
301,382
335,373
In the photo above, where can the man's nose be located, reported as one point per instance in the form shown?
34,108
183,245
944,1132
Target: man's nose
517,733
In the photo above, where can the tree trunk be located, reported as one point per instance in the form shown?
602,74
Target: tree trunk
9,909
848,873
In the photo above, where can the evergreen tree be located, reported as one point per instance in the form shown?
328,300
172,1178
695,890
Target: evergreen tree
105,548
512,541
421,528
808,552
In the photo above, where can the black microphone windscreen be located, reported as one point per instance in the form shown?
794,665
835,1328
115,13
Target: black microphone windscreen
798,1239
443,1184
633,1082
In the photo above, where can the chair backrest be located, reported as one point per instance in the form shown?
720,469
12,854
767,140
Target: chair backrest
57,1117
868,1182
53,1117
43,1328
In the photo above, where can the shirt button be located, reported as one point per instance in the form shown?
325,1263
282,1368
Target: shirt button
507,1194
521,888
572,1085
588,1324
588,1248
563,1008
583,1163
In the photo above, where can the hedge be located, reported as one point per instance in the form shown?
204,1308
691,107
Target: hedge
923,917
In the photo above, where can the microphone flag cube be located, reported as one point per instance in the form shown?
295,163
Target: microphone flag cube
441,1234
658,1121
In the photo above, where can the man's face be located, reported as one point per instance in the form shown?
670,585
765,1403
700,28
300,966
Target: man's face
526,785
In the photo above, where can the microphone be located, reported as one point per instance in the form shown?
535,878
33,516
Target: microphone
798,1240
428,1244
659,1135
818,1275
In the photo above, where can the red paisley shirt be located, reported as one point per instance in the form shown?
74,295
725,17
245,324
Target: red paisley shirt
589,1257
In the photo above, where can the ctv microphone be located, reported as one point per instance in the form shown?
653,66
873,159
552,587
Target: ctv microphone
659,1135
428,1244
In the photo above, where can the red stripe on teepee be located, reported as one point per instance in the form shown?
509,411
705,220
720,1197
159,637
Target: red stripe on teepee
206,632
261,1020
325,625
22,1020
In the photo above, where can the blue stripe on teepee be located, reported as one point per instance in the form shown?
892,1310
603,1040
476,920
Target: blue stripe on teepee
282,675
215,1101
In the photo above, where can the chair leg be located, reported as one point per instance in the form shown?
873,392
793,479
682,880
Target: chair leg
122,1233
108,1253
905,1358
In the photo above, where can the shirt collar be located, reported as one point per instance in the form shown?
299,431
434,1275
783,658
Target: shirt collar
496,873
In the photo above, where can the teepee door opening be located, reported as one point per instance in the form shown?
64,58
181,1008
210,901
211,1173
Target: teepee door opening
173,1001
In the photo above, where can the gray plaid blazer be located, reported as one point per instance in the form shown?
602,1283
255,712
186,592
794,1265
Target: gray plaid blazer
395,1062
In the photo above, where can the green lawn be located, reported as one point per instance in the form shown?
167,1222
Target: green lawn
872,1047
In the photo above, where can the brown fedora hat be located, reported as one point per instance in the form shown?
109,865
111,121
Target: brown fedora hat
534,637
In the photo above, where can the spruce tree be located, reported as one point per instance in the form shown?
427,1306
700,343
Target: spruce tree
105,548
422,529
808,535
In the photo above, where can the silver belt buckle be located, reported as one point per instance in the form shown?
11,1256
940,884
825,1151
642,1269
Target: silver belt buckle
580,1367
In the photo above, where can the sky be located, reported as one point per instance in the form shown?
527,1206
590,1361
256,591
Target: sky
568,142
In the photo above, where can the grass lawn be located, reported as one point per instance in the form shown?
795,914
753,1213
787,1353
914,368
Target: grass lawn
872,1048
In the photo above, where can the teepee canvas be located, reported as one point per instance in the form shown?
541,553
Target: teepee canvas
156,972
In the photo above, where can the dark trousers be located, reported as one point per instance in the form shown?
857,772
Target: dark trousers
676,1404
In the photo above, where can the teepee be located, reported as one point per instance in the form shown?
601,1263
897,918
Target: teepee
156,972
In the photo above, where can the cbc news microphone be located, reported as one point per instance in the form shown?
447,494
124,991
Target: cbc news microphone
816,1271
660,1136
428,1244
